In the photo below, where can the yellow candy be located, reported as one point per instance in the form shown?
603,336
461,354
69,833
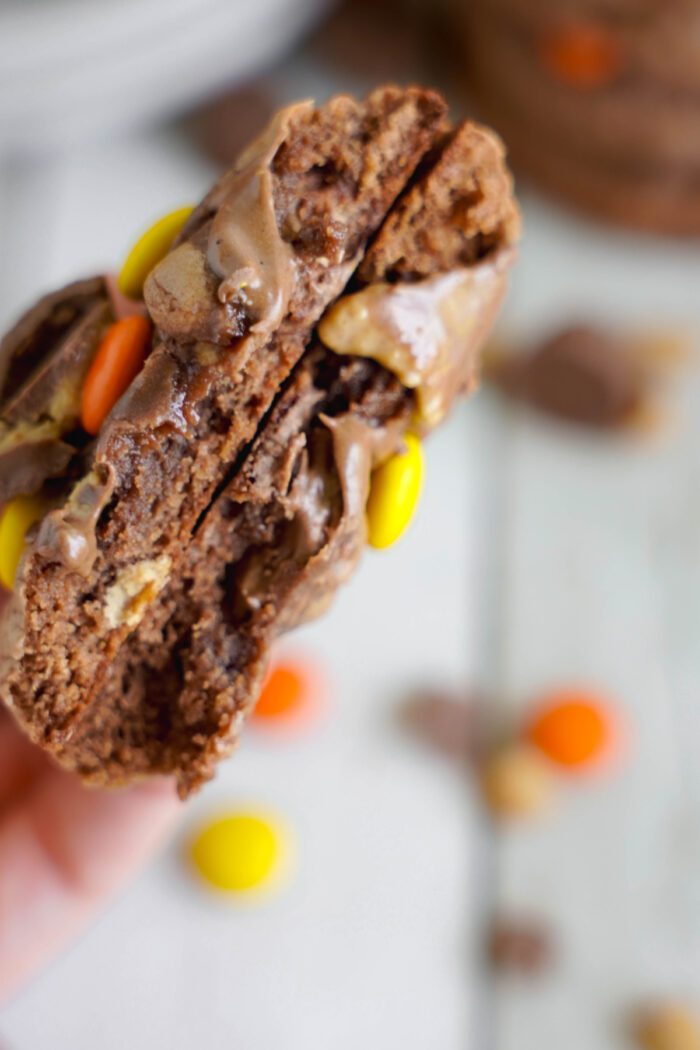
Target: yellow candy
394,493
148,251
15,521
239,853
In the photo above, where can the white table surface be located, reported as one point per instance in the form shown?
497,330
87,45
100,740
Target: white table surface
539,555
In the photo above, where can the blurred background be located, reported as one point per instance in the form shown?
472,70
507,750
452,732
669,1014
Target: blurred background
475,882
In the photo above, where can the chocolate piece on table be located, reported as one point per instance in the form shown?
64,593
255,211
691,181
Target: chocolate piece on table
582,374
521,946
447,724
223,500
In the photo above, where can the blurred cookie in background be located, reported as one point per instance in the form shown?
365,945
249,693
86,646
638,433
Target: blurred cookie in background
376,39
598,101
224,124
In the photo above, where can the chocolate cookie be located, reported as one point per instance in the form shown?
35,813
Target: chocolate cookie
223,499
597,102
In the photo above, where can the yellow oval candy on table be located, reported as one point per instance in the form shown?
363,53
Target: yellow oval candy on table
16,518
394,492
148,251
240,853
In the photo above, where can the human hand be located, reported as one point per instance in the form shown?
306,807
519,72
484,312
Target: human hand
64,849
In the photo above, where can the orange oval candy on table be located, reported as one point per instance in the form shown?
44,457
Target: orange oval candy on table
119,359
574,729
289,695
581,54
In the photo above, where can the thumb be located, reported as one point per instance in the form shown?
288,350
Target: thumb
63,851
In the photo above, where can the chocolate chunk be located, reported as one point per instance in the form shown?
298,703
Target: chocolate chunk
53,389
25,346
46,357
26,465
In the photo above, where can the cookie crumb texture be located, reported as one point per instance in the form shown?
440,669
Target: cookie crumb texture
223,500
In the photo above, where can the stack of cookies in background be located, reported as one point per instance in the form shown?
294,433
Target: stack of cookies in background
598,100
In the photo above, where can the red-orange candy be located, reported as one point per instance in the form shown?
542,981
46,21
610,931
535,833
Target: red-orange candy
581,54
289,696
118,361
574,729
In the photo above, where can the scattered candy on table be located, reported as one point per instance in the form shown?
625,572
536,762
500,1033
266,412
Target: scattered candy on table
394,492
149,250
119,359
582,55
290,696
516,783
666,1026
241,853
16,518
573,728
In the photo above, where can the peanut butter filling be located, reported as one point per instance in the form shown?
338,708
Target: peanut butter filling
237,265
427,332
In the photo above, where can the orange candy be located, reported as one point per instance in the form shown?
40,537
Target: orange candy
288,696
581,54
573,729
118,361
